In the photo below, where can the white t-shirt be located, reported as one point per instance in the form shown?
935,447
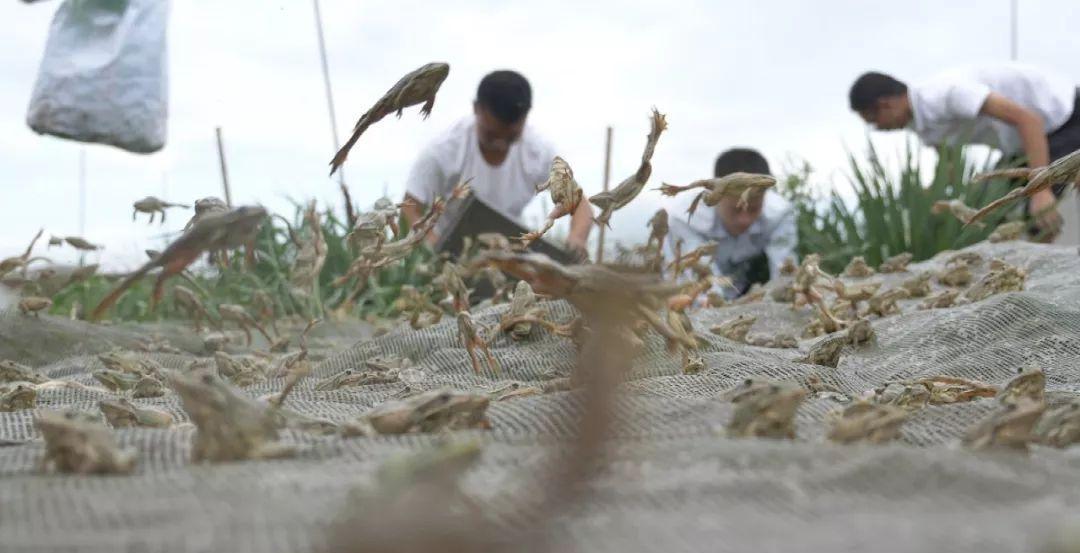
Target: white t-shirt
454,156
946,106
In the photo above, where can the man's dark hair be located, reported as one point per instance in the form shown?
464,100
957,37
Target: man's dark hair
740,160
871,87
506,94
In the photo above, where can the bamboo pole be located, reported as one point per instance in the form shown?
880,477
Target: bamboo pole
224,172
350,215
607,177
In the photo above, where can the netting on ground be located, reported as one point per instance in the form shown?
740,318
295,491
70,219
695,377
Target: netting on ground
673,481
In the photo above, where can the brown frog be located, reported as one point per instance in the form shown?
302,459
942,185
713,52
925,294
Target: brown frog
778,341
1008,279
418,86
825,352
11,371
565,193
1006,232
1028,384
918,286
16,396
611,200
863,421
470,336
121,413
431,411
523,304
693,364
972,259
860,332
231,426
896,264
941,300
352,377
734,329
906,395
240,316
130,364
77,444
1060,426
1010,427
951,389
857,268
885,303
855,293
955,275
241,370
734,185
764,409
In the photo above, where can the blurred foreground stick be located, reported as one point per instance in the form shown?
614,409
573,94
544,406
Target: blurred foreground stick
428,512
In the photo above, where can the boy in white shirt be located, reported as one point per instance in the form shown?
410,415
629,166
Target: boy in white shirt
752,240
504,157
1014,108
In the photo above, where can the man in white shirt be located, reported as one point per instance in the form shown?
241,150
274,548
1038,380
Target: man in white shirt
504,157
752,241
1014,108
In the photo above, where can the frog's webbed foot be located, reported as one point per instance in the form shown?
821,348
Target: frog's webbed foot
425,110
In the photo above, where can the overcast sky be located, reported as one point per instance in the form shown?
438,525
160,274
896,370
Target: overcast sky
772,74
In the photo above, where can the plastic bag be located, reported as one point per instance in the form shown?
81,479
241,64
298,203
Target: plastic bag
104,77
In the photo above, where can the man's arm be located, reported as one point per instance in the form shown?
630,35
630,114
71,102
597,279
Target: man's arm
580,224
1032,131
413,209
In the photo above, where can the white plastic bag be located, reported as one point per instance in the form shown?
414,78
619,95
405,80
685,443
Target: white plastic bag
103,77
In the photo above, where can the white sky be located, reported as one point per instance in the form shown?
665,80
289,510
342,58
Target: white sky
771,74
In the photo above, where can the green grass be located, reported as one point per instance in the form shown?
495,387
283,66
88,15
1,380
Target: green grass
891,211
274,254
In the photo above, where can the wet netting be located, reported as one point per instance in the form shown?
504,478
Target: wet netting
672,480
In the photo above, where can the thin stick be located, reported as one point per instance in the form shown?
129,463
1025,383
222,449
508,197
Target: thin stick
607,177
224,172
350,215
82,200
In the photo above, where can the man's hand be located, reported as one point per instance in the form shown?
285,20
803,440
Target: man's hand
1043,208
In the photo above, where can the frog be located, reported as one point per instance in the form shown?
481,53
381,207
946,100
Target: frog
148,386
860,332
825,352
693,364
855,293
951,389
755,294
80,445
918,286
864,421
230,426
734,329
896,264
611,200
130,364
565,192
243,319
1060,426
857,268
955,275
764,409
884,303
739,185
16,396
240,370
1029,383
523,304
906,395
34,304
472,339
972,259
451,281
419,86
1006,232
1008,279
1010,427
941,300
381,363
431,411
121,413
116,381
776,341
11,371
813,329
352,377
